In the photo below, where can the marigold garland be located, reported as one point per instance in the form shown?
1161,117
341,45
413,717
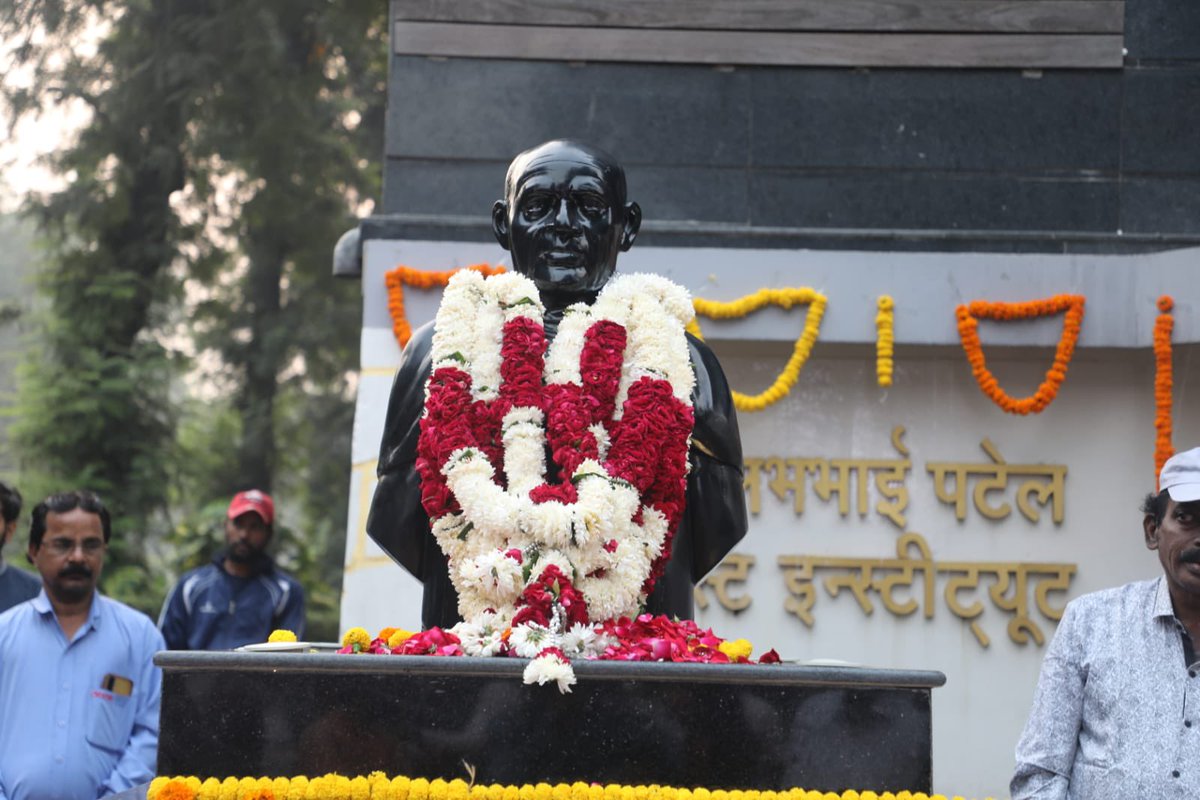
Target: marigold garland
784,298
378,785
1163,384
968,331
885,339
402,276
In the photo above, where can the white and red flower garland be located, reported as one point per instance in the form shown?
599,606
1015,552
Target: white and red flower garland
535,558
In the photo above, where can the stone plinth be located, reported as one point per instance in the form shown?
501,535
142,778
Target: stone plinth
718,726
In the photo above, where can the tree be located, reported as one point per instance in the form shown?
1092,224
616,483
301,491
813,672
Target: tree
230,144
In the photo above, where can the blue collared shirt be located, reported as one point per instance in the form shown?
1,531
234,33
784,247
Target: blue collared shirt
1117,711
79,718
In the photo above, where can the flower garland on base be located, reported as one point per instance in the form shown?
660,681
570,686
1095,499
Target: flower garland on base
379,786
396,279
1163,385
968,331
885,340
784,298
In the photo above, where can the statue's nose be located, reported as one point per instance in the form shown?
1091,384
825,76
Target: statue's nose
562,216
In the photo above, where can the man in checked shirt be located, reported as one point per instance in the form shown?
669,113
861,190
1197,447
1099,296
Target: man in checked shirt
1117,708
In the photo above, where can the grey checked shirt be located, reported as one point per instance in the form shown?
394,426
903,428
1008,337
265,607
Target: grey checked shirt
1116,713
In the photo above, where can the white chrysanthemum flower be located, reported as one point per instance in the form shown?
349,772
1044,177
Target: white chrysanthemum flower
550,669
578,639
562,357
529,639
524,435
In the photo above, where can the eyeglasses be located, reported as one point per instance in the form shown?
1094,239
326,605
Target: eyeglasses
64,547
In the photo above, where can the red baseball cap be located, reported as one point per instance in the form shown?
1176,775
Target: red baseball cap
254,500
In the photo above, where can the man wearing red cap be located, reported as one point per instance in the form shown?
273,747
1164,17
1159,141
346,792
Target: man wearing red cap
1117,708
241,596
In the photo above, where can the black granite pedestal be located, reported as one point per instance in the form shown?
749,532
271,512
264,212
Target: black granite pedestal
718,726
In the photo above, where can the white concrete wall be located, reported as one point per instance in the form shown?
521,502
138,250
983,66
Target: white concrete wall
1100,428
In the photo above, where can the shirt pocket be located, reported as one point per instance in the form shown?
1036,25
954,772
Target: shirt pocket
109,720
1099,728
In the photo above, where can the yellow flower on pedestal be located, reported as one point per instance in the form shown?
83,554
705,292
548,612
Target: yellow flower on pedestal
357,638
738,648
281,635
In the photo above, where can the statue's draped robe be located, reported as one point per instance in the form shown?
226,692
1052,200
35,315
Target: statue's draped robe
714,519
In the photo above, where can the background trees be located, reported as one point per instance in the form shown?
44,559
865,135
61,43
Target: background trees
192,342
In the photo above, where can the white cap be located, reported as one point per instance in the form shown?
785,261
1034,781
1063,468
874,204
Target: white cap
1180,476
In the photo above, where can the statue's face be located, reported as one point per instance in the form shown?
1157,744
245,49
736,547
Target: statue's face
565,220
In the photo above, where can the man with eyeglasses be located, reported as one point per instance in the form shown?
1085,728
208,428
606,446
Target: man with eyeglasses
16,585
78,686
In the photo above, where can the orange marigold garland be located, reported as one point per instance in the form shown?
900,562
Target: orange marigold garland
402,276
1163,384
968,331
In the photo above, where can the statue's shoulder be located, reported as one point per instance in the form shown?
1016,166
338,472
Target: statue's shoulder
716,428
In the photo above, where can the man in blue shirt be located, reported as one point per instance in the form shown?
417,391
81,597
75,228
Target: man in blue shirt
16,585
241,596
78,686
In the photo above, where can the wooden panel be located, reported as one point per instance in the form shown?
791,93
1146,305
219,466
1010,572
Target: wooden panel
757,48
998,16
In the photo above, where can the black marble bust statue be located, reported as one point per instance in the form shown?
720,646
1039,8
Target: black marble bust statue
564,218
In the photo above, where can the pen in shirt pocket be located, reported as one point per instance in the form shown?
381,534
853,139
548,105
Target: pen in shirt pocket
117,685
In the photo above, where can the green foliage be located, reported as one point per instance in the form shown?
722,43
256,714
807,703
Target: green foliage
193,342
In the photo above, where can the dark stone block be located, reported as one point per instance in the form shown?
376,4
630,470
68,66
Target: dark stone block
1162,120
730,726
494,109
1162,29
940,200
937,119
442,188
1160,205
690,193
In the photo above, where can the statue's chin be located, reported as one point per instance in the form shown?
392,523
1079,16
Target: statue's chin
567,278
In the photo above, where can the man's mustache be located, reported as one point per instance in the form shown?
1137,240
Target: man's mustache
1190,556
75,570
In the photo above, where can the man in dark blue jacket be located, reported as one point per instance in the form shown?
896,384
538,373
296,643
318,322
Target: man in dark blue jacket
241,596
16,585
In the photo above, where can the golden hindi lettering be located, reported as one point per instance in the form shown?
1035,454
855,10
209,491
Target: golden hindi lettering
1008,590
832,476
1045,483
734,569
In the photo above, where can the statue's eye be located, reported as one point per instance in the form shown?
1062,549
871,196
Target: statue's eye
592,204
535,207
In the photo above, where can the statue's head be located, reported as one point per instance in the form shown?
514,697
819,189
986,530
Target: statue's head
564,217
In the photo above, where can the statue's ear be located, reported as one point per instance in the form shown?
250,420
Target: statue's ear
500,222
633,223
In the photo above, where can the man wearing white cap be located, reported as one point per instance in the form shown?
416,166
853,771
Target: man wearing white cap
1117,707
241,596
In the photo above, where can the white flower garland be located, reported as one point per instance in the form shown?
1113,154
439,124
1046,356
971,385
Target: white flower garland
496,520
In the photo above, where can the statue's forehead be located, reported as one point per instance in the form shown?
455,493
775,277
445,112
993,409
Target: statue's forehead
557,166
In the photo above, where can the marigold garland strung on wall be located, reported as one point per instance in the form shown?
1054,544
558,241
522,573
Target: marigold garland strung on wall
396,279
378,785
784,298
885,339
1163,384
968,330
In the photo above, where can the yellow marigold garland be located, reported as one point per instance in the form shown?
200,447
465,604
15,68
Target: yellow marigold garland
1163,384
402,276
885,339
968,331
378,786
784,298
